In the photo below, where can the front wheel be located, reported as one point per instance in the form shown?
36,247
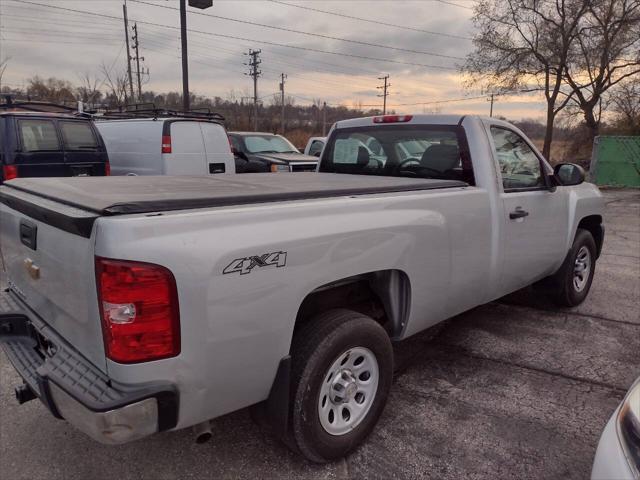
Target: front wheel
341,377
572,282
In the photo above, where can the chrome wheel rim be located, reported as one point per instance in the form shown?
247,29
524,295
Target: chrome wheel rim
581,269
348,390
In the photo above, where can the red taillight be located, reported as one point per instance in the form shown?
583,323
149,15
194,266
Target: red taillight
139,310
392,119
9,172
166,143
107,169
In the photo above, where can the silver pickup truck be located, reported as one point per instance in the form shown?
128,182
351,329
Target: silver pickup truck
135,305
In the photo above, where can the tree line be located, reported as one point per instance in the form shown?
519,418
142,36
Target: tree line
584,55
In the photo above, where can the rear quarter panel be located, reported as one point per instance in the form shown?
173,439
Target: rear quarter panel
235,328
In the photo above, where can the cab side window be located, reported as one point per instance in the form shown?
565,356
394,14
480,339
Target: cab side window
520,167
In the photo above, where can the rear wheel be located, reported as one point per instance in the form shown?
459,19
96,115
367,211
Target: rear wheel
341,377
571,284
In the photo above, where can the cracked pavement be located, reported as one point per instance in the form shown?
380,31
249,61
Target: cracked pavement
512,389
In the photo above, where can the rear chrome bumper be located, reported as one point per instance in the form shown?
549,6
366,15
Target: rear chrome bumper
73,389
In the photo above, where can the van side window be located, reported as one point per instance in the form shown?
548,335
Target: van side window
78,136
38,135
519,166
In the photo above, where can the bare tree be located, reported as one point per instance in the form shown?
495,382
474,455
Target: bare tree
625,100
117,84
605,53
525,42
89,89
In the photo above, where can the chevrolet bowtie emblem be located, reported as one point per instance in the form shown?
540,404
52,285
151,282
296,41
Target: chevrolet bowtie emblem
32,269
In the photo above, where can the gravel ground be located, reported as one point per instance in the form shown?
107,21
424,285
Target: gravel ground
512,389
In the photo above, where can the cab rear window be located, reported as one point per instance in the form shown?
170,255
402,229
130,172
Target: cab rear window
418,151
78,136
38,135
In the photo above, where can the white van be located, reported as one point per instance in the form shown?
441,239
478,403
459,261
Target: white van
166,146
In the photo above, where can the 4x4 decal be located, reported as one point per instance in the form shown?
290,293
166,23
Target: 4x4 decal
246,264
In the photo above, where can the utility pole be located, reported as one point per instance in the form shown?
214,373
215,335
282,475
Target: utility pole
385,93
282,79
137,59
254,61
491,107
185,61
126,36
324,119
201,4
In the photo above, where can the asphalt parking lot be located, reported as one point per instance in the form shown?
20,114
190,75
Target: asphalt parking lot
513,389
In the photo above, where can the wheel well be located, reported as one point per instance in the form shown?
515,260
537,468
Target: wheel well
593,224
383,295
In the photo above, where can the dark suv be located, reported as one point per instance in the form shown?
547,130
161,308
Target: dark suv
46,140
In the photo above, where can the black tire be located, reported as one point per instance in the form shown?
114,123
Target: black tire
564,292
315,347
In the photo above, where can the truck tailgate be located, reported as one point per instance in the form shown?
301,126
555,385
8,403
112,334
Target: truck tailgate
52,270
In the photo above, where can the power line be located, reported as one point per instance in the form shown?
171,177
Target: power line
329,37
451,100
452,3
378,22
363,57
108,72
161,34
53,42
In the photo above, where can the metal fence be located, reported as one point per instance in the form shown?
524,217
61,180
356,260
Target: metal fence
616,161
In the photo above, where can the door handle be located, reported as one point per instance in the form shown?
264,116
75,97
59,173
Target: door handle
518,213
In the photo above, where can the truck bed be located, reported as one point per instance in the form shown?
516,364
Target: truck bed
146,194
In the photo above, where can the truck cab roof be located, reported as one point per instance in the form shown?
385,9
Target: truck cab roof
406,119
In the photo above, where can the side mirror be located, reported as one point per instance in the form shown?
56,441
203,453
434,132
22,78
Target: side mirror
569,174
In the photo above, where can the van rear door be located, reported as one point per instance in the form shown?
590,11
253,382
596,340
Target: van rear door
84,153
217,148
39,152
187,155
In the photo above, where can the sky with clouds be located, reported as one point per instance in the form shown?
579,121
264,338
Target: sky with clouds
421,53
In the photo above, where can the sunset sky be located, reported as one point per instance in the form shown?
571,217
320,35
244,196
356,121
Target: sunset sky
421,48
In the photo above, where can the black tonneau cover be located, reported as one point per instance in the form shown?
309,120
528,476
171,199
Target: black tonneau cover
147,194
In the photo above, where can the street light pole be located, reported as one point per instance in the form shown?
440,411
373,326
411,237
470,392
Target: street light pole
185,61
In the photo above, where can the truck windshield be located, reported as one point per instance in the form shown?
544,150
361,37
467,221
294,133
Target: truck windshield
268,144
420,151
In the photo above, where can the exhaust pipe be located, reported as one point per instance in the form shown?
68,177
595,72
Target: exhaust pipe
202,432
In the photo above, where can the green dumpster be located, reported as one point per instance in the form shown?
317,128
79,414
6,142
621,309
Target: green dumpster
616,161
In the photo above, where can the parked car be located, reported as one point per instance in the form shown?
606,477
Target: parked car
163,142
266,152
40,139
314,146
618,454
153,305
